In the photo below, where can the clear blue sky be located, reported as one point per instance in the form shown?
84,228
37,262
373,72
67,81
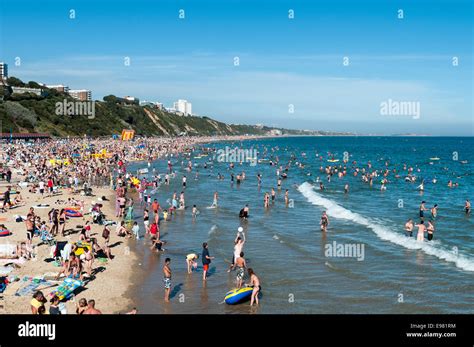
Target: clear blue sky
282,61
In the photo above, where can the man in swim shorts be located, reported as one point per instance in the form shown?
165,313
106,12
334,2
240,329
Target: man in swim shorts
206,260
241,266
422,210
409,228
167,279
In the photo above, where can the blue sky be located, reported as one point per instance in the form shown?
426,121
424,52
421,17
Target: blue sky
282,61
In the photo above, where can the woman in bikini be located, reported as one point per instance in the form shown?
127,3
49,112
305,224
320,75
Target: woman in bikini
62,221
430,229
88,260
255,283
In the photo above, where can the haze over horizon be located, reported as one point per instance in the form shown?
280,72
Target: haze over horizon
283,63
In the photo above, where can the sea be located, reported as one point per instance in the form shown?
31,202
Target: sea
364,263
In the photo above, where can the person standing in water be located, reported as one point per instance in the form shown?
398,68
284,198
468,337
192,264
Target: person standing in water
255,283
409,228
206,260
241,265
238,246
287,199
324,222
434,211
467,206
216,197
421,231
167,278
430,230
422,210
191,261
195,212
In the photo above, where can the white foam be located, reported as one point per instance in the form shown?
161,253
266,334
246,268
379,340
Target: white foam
335,210
212,230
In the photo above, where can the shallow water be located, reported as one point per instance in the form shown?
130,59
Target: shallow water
287,250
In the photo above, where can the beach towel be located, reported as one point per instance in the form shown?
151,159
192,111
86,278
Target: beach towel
28,289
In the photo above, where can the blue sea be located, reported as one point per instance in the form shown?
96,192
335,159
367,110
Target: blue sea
392,273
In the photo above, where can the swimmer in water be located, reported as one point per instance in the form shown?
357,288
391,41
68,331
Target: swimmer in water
216,197
346,188
287,199
467,206
409,228
324,222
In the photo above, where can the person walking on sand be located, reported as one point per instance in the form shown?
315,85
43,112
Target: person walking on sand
62,222
206,260
146,221
255,283
6,200
30,228
167,279
136,230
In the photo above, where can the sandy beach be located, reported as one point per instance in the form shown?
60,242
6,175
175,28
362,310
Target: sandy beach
111,283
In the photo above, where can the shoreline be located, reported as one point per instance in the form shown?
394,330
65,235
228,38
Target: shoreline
116,282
